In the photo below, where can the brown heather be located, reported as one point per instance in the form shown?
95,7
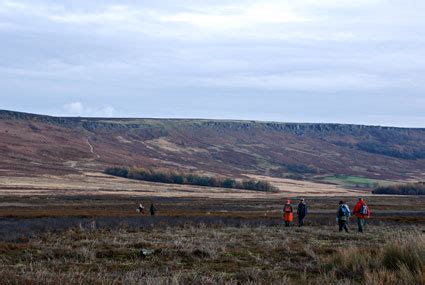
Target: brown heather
204,254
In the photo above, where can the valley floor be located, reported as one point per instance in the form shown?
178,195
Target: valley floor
86,230
101,184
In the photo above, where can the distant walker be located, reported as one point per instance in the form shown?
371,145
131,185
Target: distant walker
301,212
152,209
288,213
140,209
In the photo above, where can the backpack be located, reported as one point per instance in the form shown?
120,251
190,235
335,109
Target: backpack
364,210
343,211
287,209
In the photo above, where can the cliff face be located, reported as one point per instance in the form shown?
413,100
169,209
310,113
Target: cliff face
35,144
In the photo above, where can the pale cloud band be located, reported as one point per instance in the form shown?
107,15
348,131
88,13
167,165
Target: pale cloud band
78,109
139,56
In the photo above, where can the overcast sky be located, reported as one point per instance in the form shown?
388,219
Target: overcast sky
360,61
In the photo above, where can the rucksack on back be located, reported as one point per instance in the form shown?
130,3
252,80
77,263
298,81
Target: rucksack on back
364,210
342,211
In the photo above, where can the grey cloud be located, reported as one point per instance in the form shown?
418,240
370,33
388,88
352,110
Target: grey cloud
215,59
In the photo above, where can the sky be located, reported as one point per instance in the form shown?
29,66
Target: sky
338,61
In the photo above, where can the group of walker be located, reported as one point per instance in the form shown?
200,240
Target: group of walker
361,211
141,209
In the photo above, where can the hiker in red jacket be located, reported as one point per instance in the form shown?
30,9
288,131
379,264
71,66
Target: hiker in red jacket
362,212
288,213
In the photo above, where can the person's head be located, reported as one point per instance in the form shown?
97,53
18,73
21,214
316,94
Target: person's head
302,200
361,200
341,202
288,201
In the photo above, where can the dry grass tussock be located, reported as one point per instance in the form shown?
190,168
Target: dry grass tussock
220,254
399,261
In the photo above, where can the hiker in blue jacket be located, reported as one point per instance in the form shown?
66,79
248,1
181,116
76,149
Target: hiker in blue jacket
342,216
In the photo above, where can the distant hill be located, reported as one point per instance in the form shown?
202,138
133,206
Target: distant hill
36,144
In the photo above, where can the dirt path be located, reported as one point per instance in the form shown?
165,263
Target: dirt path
92,148
75,164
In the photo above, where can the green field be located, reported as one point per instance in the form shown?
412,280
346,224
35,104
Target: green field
356,181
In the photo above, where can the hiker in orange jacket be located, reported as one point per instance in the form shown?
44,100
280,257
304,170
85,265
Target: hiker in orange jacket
288,213
362,212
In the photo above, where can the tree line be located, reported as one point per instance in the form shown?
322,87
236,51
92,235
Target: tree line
176,177
403,189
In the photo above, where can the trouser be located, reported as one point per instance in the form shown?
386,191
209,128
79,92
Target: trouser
301,221
343,225
287,223
360,224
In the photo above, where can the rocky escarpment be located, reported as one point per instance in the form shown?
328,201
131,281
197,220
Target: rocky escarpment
218,146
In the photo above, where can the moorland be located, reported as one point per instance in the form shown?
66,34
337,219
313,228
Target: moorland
63,220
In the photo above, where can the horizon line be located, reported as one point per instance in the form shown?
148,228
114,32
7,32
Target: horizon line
208,119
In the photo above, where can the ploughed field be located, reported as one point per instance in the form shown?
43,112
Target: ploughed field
78,239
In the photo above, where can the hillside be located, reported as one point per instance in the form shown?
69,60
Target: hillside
35,144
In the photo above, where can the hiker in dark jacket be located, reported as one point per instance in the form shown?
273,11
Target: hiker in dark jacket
152,210
342,216
301,212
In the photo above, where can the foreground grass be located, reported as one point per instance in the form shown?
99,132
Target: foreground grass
219,254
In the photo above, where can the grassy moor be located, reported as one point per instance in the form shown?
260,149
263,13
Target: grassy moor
70,187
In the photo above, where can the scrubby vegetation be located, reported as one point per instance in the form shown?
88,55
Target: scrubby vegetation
301,169
101,240
399,261
379,148
198,254
404,189
175,177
